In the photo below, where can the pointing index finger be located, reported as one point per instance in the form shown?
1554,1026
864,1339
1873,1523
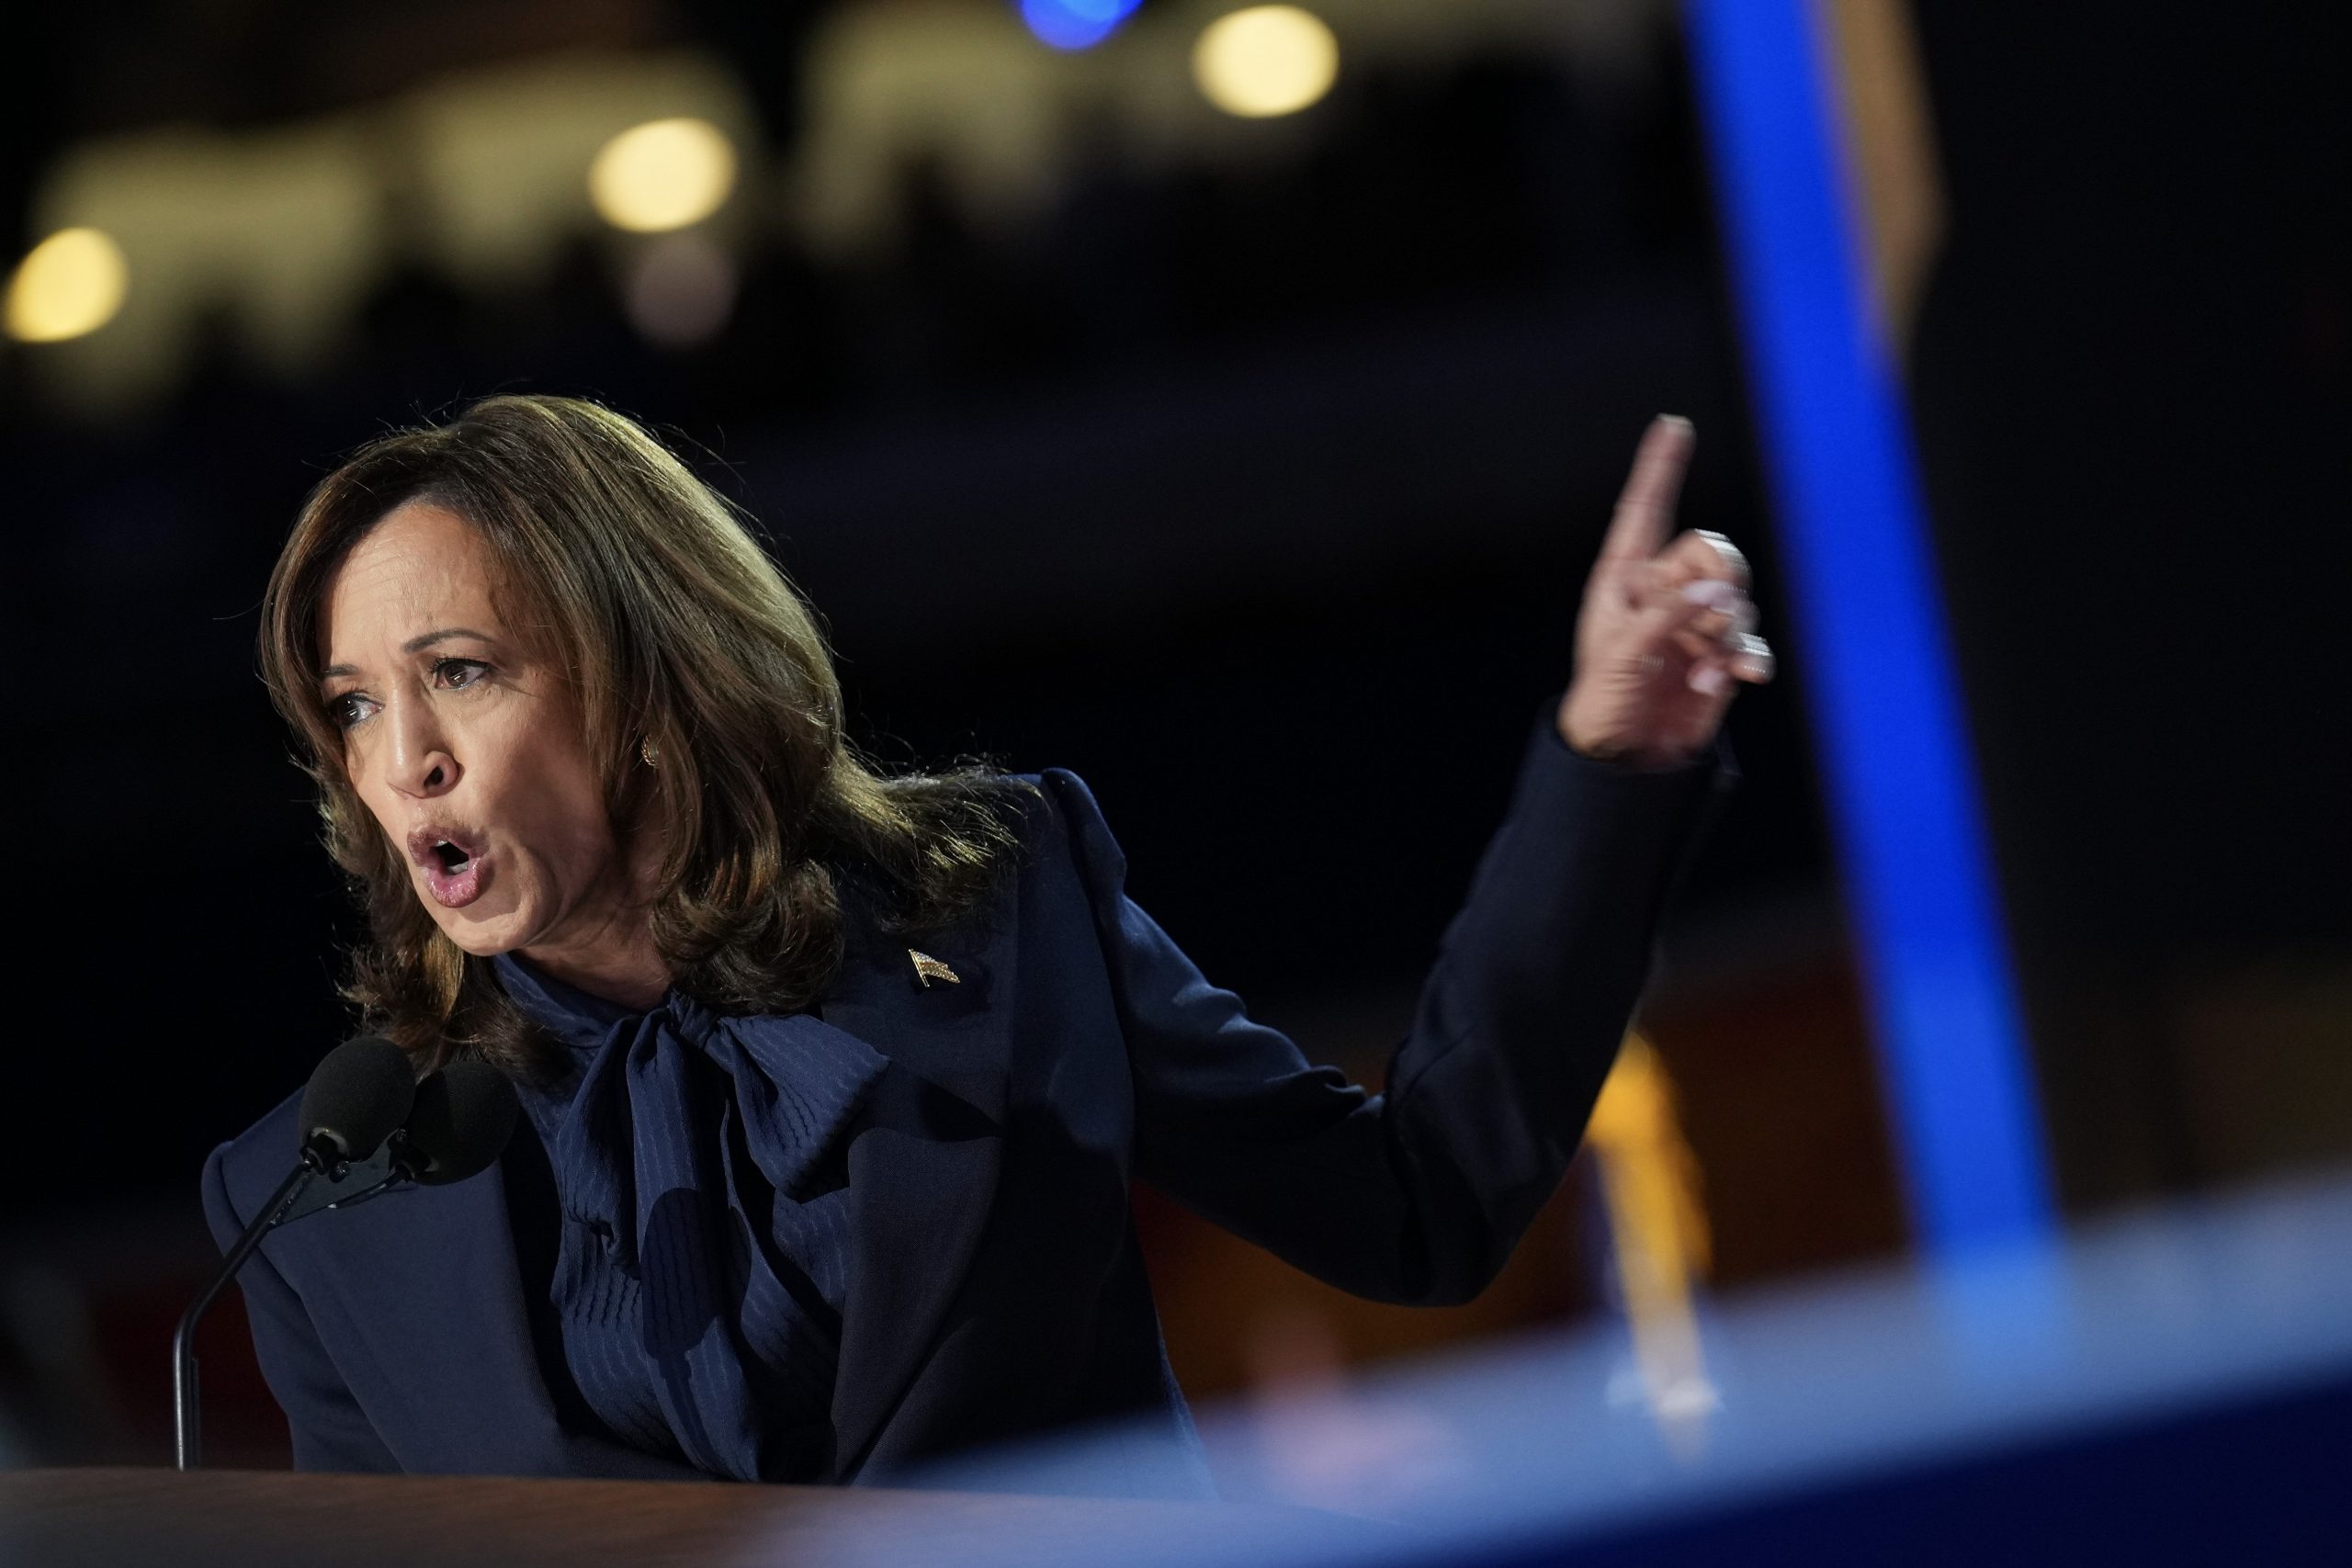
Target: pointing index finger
1644,513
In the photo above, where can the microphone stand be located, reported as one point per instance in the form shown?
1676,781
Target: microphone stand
188,1442
347,1183
321,1158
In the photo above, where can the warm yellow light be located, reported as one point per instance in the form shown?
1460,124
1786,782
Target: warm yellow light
72,283
1266,60
663,174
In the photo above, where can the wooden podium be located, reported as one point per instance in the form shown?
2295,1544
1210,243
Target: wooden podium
245,1518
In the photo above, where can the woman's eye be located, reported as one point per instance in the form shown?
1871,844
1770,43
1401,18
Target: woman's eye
344,711
458,674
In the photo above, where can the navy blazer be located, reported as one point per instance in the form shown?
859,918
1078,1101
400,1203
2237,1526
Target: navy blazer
995,1286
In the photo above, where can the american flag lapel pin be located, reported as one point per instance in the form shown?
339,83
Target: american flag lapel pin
928,969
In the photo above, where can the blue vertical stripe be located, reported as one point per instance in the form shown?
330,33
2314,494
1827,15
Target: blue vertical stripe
1883,693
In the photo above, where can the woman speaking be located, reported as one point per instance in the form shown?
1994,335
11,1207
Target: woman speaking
834,1084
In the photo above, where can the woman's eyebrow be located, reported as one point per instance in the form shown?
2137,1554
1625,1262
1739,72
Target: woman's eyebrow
414,645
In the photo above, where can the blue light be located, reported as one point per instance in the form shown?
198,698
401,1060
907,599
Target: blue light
1883,695
1075,24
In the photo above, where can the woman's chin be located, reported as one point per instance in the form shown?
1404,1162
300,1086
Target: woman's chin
481,931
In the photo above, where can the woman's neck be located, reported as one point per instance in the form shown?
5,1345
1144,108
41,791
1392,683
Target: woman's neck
615,958
632,975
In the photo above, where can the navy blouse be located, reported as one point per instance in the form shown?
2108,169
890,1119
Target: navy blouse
701,1267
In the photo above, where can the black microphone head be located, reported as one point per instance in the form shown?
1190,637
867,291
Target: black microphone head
358,1095
464,1115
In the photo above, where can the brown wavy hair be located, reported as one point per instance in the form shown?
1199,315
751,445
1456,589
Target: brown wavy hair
674,628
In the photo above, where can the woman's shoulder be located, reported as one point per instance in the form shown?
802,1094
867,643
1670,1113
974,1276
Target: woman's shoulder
240,1174
1056,859
1065,822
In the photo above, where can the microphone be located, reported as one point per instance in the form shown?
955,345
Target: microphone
462,1117
357,1099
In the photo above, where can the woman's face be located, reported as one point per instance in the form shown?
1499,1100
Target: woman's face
468,746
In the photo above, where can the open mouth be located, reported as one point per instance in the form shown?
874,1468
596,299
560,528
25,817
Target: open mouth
452,860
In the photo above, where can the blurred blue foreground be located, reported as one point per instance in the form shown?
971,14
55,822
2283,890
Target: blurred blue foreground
2168,1387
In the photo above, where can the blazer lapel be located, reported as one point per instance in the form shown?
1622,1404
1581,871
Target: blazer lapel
922,1167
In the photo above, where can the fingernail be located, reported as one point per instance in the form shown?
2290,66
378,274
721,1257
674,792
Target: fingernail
1707,679
1733,555
1712,592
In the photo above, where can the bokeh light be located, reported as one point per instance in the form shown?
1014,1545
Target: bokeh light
1075,24
663,175
68,285
1266,60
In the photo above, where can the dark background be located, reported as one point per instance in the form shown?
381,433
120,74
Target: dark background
1261,493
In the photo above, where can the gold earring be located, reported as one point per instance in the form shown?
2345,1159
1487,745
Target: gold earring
648,753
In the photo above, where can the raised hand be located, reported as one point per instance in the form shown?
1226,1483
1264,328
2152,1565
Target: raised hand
1666,630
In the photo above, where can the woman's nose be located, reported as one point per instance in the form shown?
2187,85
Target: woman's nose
420,763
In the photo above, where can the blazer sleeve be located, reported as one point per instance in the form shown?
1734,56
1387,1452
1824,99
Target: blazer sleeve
329,1431
1419,1194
